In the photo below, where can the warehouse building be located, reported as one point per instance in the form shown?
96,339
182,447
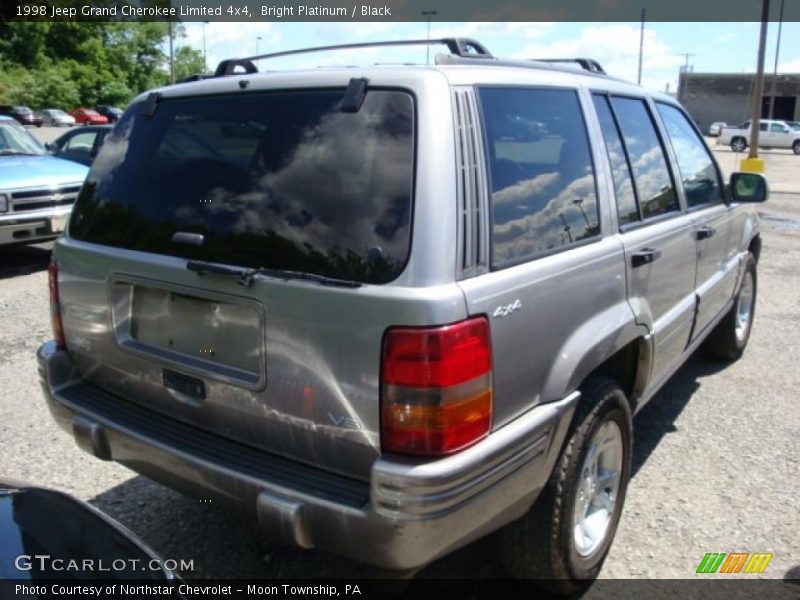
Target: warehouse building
727,97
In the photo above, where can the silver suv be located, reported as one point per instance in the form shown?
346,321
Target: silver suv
386,311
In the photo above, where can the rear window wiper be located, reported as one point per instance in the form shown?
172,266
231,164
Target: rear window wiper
245,277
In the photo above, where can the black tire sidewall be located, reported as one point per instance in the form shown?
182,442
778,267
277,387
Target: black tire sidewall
612,406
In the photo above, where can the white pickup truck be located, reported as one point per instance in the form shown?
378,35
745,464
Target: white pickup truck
772,134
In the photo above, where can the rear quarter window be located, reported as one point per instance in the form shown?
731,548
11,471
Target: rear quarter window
543,192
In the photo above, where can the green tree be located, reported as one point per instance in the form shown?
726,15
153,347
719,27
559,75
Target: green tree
188,61
68,64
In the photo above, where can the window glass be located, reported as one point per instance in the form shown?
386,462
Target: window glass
280,180
543,183
699,174
81,142
650,171
627,208
762,127
777,127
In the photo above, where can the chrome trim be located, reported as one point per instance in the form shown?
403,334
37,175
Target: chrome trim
58,194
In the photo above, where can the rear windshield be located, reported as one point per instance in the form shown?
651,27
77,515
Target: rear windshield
280,180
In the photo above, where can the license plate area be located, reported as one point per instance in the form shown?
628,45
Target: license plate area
58,224
211,335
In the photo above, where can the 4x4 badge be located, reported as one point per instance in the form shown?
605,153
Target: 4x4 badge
504,311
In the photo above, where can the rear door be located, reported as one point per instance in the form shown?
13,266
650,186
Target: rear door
714,221
657,235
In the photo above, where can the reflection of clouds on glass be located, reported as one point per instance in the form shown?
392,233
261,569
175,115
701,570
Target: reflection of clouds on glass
558,223
650,172
343,173
113,152
523,190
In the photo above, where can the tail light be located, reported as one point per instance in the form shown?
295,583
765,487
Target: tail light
55,307
436,388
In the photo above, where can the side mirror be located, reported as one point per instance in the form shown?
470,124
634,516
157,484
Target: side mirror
748,187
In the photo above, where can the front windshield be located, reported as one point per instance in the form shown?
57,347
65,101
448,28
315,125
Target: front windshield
14,140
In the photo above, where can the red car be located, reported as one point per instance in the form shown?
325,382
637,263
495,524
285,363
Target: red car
87,116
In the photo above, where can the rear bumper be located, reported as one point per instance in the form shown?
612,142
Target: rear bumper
409,513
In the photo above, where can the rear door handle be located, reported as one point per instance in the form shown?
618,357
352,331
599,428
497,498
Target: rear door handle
704,232
645,256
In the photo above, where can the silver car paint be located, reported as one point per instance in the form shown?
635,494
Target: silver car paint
562,316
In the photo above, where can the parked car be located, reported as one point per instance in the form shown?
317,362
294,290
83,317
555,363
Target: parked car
87,116
112,113
354,305
55,117
22,114
716,128
37,190
51,535
80,145
772,134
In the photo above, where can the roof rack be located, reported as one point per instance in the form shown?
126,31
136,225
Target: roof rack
587,64
462,47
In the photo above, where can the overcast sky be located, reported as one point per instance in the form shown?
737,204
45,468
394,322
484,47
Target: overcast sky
716,47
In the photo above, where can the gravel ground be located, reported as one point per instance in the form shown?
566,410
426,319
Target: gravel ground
715,457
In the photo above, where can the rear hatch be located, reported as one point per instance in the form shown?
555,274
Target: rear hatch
162,298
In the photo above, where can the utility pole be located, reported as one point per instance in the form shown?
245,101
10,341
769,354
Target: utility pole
752,162
428,14
686,56
641,49
775,71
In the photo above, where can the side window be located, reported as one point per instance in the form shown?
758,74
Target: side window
762,127
777,127
650,171
543,183
627,209
699,174
80,142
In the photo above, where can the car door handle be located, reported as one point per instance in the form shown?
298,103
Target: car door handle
704,232
645,256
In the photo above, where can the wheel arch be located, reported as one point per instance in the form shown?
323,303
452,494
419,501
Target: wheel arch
610,344
755,246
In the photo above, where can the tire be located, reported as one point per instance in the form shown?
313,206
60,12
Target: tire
796,147
544,545
738,145
729,338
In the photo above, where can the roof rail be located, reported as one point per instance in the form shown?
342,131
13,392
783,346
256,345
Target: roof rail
463,47
587,64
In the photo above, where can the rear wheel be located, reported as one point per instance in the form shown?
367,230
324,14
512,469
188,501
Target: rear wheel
562,541
730,336
738,144
796,147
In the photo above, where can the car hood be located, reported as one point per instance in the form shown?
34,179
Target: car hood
39,171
